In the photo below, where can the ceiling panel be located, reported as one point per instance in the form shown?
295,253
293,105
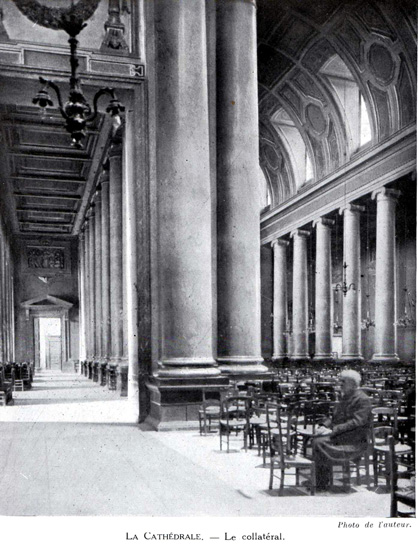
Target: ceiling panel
47,177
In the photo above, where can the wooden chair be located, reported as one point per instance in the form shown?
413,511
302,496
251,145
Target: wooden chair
385,426
313,413
282,454
234,418
404,495
19,385
209,411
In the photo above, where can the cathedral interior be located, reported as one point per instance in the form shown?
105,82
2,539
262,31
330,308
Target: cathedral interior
165,251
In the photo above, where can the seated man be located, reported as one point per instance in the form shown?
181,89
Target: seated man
345,436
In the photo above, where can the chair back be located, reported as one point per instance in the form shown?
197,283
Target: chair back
235,407
385,417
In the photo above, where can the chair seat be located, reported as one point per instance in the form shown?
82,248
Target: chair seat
297,461
307,431
211,410
406,496
262,420
234,422
399,448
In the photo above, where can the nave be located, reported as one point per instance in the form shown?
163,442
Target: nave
68,447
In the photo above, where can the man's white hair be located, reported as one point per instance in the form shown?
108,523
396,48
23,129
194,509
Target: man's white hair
352,375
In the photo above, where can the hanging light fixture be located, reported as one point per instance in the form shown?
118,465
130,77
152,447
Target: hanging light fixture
76,111
367,322
408,319
344,287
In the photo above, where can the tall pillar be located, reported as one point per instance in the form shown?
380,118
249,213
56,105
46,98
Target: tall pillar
116,255
300,346
323,340
351,345
87,287
238,203
2,299
98,271
279,298
183,173
385,331
92,285
105,244
81,279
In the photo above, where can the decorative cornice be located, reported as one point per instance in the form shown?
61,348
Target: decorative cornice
374,168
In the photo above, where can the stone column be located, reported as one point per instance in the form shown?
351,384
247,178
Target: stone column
184,194
238,204
92,286
82,275
2,300
98,272
279,298
300,344
385,331
116,255
351,345
105,244
323,294
87,287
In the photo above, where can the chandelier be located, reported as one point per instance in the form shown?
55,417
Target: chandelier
76,111
343,286
407,320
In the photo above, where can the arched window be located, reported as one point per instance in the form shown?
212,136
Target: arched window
351,102
295,146
265,194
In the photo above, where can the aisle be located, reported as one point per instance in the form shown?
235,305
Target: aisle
58,397
68,447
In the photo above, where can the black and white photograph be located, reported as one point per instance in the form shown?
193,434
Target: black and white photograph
208,273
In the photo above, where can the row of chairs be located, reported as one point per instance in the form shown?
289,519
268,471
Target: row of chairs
284,430
18,375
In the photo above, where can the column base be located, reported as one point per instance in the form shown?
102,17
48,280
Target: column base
175,397
391,358
243,370
122,376
300,357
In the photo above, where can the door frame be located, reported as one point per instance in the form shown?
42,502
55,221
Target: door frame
48,306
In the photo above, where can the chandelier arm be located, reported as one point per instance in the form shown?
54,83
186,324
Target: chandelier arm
57,91
98,95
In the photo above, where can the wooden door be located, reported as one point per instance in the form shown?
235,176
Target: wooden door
53,353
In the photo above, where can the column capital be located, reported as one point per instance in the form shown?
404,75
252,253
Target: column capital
300,233
386,194
351,207
279,242
323,221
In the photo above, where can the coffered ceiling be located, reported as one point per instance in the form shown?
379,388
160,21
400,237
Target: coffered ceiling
47,181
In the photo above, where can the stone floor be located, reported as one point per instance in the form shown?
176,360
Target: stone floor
71,447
